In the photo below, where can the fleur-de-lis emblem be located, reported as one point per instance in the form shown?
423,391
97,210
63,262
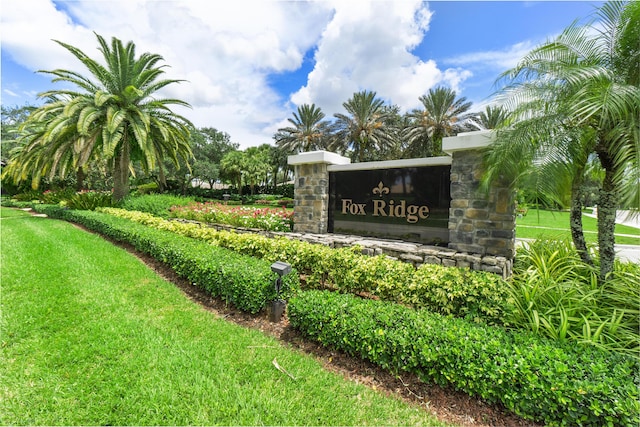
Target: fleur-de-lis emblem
380,189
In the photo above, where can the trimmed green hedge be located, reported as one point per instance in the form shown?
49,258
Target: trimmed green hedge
246,282
533,377
480,296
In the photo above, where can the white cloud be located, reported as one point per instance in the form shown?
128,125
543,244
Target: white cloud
227,50
493,59
367,45
10,93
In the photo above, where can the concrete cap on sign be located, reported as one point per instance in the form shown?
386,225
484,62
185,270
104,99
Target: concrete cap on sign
311,157
468,141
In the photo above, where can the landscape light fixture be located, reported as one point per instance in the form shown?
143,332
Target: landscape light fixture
278,305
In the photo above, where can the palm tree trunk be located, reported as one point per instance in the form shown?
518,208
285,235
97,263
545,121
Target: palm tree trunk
162,180
575,218
121,173
607,209
80,177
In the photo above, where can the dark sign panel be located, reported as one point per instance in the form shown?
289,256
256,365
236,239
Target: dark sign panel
411,203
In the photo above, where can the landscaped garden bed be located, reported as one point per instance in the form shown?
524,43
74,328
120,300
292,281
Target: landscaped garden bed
600,386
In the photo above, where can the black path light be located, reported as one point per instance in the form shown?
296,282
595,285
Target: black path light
278,305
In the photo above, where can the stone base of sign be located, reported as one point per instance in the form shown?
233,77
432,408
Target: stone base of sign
481,224
413,253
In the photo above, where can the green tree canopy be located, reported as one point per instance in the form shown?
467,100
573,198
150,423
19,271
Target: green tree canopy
308,131
365,129
113,113
443,114
571,99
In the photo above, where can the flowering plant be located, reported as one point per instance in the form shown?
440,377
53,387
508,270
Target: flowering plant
271,219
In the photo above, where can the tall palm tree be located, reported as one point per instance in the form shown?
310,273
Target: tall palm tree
443,115
366,128
573,98
114,114
308,131
493,117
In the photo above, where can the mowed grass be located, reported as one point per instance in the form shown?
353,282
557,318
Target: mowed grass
91,336
554,225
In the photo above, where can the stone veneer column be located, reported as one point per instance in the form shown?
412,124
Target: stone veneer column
311,190
479,223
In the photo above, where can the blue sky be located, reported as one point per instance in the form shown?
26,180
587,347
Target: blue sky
250,63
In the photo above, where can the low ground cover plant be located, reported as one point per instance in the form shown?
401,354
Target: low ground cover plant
537,379
271,219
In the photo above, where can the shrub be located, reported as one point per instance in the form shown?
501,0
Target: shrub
90,200
246,282
533,377
476,295
53,197
482,296
155,204
149,188
558,296
28,196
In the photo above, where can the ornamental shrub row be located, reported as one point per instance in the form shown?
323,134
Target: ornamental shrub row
246,282
459,292
535,378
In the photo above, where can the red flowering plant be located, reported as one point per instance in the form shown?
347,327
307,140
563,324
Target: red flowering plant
271,219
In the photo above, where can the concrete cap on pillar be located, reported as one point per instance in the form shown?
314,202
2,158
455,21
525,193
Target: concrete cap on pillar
312,157
468,141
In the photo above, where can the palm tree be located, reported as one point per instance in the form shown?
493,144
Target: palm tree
38,156
309,131
443,115
493,117
232,167
113,113
572,99
366,130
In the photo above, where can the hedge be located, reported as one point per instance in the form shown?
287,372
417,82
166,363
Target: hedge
480,296
535,378
246,282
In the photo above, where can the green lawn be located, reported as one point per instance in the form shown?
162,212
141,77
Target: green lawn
541,224
91,336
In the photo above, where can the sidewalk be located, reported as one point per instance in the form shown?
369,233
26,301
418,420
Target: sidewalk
629,253
622,217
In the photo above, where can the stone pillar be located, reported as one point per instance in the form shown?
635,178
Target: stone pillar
479,223
311,190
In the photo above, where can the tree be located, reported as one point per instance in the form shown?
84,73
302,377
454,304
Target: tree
278,159
573,99
309,131
232,166
12,119
443,115
113,114
256,166
493,117
209,146
364,130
